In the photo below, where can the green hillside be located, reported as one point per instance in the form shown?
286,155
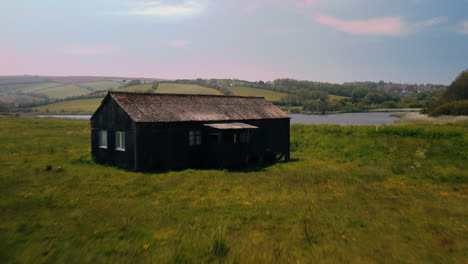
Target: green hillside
142,88
350,195
37,87
77,106
179,88
248,91
64,91
102,85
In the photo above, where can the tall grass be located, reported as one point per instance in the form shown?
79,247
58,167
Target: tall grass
392,194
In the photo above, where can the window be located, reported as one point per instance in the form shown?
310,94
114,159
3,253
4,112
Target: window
120,140
103,139
195,137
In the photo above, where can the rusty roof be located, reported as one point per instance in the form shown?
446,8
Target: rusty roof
152,107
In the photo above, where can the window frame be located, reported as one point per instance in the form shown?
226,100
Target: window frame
195,138
102,138
120,140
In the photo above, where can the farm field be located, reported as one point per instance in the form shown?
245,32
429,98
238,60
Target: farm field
76,106
37,87
18,98
64,91
180,88
387,194
101,85
142,88
248,91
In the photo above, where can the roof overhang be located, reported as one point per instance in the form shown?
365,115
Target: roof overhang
225,126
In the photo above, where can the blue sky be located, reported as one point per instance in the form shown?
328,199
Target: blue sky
324,40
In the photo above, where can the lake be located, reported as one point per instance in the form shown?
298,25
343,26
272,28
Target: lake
373,118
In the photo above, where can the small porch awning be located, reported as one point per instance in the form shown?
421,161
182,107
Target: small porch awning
225,126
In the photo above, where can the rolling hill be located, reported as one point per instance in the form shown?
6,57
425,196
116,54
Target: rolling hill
82,106
248,91
180,88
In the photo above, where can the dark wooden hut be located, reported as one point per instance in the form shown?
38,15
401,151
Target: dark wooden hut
147,132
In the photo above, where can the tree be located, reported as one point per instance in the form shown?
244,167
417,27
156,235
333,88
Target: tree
376,97
360,92
155,86
458,90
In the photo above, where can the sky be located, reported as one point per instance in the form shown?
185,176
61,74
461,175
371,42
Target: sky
408,41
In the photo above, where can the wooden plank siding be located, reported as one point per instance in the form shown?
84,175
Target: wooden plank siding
152,146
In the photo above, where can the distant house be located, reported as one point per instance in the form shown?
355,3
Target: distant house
147,132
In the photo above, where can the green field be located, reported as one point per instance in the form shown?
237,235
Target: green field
19,98
180,88
76,106
387,194
142,88
37,87
336,97
248,91
64,91
90,105
102,85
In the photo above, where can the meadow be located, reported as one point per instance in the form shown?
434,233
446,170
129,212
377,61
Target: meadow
180,88
371,194
249,91
79,106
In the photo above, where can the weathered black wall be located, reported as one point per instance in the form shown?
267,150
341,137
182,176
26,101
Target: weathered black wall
166,145
112,118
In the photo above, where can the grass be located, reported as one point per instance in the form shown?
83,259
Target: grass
336,97
90,105
19,98
102,85
142,88
75,106
64,91
37,87
248,91
179,88
394,194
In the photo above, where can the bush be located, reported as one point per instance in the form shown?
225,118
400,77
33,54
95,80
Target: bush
454,108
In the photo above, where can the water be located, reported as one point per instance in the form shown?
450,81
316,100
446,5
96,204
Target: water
77,117
374,118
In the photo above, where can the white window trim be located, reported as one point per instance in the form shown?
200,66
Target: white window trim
100,138
116,138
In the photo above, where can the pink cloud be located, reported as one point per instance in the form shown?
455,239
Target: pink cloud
376,26
178,43
84,51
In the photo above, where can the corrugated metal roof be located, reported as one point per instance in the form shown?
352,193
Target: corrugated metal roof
231,126
147,107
